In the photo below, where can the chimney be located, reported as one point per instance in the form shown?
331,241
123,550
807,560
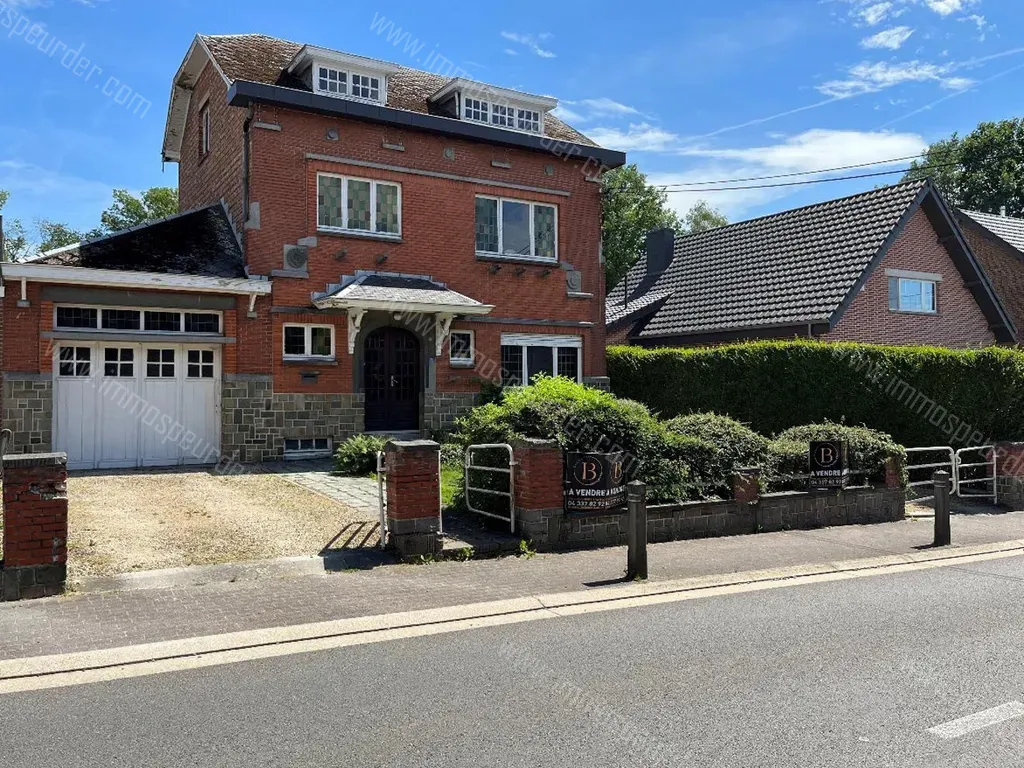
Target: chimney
1002,211
660,250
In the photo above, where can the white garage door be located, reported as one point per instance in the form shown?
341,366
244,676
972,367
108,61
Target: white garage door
120,404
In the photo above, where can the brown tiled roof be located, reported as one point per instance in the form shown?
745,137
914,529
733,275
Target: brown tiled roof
262,59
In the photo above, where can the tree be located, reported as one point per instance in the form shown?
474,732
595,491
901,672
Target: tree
982,171
16,245
53,234
632,208
702,217
130,211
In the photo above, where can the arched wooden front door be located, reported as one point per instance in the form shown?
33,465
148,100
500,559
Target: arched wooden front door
391,380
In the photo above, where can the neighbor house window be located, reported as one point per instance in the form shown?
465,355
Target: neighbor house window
206,128
358,205
144,320
331,81
524,356
912,295
516,228
304,341
460,349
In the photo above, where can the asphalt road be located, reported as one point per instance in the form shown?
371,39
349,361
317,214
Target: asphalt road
831,674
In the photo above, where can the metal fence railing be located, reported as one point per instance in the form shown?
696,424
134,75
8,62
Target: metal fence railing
971,474
915,471
471,452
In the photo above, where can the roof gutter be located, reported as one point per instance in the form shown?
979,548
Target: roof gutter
52,273
242,93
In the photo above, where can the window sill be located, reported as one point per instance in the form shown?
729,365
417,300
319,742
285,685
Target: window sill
579,295
484,256
919,313
359,234
327,361
462,365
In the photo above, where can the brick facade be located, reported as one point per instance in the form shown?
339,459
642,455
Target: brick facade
1003,264
959,321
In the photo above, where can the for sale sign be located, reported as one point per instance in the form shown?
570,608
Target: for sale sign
829,463
594,481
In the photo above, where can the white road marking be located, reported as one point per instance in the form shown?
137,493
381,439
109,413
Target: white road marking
42,672
954,729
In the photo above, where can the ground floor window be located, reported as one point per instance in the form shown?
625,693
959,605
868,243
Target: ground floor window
525,356
306,447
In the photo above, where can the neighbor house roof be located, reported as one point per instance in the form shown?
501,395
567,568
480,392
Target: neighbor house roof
1007,227
200,242
264,60
794,269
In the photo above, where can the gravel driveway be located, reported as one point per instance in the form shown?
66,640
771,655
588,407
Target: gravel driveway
148,519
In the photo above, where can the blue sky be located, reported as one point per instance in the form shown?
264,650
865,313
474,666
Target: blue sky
693,91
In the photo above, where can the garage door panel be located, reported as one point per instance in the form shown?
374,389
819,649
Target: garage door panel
200,412
117,407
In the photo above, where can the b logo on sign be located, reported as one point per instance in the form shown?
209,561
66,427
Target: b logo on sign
827,455
587,472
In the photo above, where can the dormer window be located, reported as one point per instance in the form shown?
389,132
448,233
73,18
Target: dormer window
528,120
338,82
500,114
477,110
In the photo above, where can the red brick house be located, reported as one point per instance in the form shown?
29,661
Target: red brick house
997,241
362,247
889,266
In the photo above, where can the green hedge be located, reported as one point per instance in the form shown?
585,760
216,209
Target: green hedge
919,395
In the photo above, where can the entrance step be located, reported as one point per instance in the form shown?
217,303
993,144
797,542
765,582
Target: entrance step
485,537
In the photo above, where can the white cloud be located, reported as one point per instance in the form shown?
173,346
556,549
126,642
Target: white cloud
808,151
874,14
640,137
511,52
957,83
873,77
530,42
606,106
563,112
888,38
946,7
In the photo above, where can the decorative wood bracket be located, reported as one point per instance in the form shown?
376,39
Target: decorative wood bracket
442,327
355,322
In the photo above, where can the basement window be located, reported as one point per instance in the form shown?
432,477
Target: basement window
307,447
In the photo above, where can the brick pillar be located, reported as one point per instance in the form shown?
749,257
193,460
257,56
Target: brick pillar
414,496
35,525
894,472
746,485
1010,473
539,491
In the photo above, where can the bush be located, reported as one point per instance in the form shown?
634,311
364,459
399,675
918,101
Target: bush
583,419
358,454
869,449
919,395
734,445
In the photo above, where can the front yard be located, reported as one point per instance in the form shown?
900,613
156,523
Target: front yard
144,520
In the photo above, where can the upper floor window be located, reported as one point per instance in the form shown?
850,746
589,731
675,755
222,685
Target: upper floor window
912,295
337,82
516,228
500,114
144,320
358,205
204,140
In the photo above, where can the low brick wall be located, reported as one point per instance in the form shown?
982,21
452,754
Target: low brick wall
541,518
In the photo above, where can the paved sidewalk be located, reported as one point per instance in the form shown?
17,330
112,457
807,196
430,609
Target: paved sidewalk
103,620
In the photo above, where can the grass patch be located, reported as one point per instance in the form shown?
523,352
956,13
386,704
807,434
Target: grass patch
451,483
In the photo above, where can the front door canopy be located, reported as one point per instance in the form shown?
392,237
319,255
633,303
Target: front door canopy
400,295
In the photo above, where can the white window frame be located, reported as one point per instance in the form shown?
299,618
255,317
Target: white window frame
372,232
301,453
552,342
206,128
501,231
487,113
142,320
350,74
461,362
75,361
308,343
899,295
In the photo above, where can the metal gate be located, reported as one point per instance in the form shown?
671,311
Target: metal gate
506,470
965,475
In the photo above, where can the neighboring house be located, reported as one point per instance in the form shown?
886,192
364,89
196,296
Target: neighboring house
363,247
998,245
888,266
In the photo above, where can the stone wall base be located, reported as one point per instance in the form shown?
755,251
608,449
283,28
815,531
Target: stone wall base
28,412
1010,491
441,409
415,538
32,581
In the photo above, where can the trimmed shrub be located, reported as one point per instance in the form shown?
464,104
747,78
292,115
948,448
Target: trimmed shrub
919,395
869,449
358,454
735,445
